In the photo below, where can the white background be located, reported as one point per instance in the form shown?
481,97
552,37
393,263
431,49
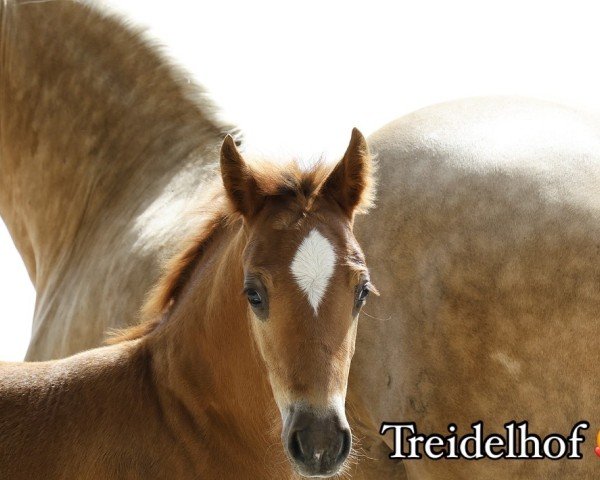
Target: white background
298,75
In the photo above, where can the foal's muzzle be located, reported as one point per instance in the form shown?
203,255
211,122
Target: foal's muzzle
317,443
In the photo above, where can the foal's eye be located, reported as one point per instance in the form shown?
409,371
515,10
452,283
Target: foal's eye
363,293
253,297
258,296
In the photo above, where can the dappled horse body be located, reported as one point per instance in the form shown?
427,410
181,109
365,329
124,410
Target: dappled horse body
483,242
484,247
197,389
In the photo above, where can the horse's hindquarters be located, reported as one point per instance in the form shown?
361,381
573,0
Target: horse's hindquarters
484,247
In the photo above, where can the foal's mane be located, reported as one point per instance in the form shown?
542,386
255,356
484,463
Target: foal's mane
294,187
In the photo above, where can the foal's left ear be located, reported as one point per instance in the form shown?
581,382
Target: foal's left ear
238,179
350,181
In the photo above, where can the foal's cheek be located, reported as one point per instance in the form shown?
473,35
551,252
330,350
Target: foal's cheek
257,327
353,333
263,338
273,361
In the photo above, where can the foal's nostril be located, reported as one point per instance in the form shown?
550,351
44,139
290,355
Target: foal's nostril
302,449
345,446
295,448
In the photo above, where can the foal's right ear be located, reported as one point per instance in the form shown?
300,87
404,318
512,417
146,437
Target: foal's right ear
238,179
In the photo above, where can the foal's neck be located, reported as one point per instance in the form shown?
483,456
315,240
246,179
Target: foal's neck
210,371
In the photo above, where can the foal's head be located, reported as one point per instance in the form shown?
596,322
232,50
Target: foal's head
305,280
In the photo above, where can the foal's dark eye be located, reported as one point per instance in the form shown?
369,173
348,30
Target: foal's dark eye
254,297
257,296
363,293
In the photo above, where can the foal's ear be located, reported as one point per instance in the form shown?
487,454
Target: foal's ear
238,179
350,181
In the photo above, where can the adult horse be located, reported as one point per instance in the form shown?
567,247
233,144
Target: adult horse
483,243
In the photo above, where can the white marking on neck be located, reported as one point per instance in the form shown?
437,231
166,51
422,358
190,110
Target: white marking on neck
313,265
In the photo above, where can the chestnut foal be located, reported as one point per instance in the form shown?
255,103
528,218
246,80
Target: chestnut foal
192,391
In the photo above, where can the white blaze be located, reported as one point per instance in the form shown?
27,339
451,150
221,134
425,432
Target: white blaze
313,265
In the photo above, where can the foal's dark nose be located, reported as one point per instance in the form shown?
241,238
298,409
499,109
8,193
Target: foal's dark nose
318,444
